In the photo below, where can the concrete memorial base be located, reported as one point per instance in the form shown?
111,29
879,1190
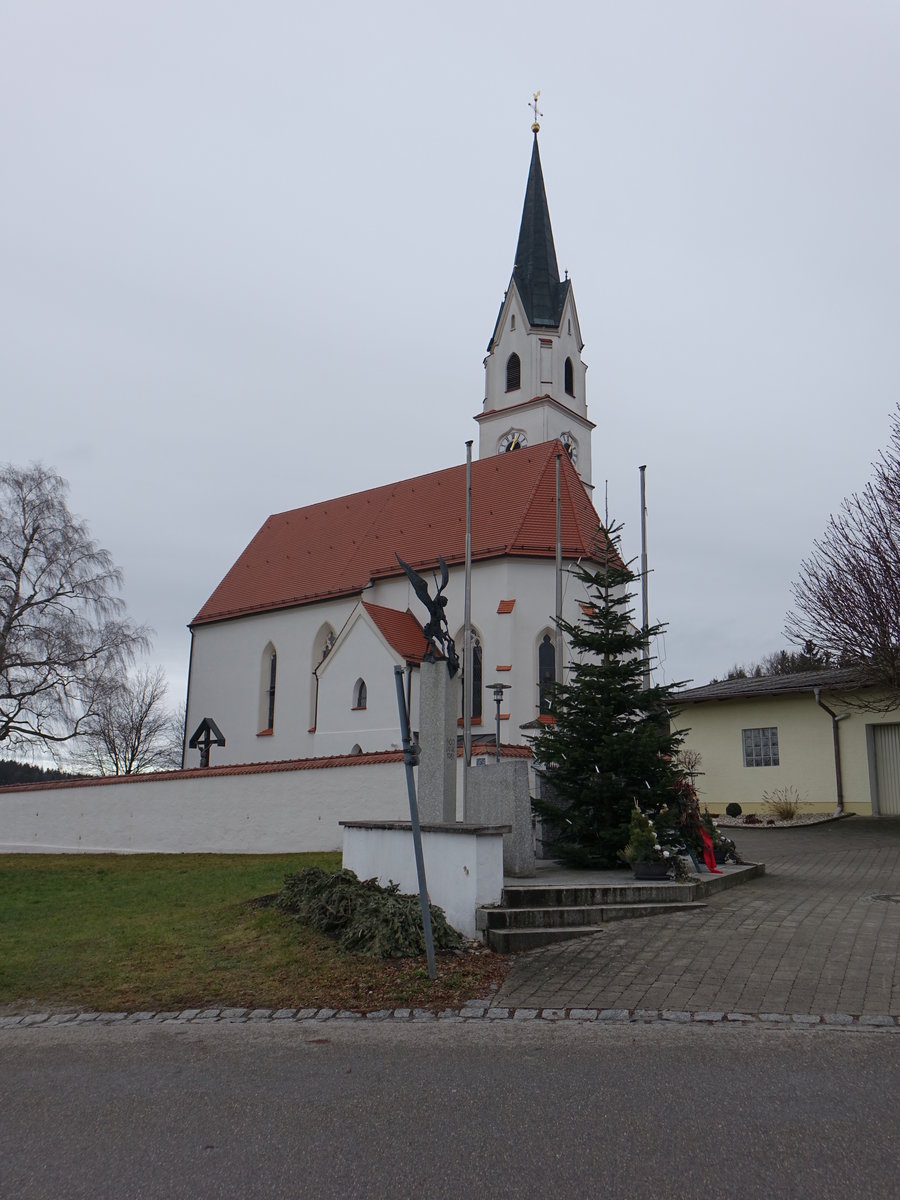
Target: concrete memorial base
499,794
463,863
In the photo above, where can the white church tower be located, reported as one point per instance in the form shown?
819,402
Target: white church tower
534,373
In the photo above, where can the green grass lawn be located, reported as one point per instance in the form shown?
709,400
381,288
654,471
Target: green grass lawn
163,931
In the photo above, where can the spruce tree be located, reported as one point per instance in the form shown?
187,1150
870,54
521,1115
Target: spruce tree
610,746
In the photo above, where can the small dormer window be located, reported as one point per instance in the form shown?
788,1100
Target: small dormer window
570,378
512,323
513,373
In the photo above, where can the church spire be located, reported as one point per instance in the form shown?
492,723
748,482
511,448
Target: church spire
534,375
536,273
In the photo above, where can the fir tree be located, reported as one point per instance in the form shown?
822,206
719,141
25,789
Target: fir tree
610,746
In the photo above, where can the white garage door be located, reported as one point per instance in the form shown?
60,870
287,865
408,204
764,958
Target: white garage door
887,768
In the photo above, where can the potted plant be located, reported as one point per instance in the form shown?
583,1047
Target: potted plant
644,852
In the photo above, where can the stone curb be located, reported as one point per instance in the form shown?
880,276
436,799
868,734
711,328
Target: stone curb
474,1010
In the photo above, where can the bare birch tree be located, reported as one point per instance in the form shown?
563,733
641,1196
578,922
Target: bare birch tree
132,730
847,597
63,634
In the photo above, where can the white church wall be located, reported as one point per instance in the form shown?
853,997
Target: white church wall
271,811
225,680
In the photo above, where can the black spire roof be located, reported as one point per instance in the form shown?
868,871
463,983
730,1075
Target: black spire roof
536,274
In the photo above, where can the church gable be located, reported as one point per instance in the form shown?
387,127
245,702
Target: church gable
357,698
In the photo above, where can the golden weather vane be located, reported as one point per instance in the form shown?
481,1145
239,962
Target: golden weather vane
534,104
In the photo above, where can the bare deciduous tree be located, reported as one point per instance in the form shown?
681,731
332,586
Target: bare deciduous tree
847,598
63,635
132,730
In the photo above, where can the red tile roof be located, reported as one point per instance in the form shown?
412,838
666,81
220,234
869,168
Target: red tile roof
506,606
400,630
335,548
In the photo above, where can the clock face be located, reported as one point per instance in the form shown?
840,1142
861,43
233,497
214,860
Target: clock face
514,440
571,446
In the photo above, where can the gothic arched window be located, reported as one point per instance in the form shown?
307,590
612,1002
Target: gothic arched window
321,648
267,689
513,373
360,694
546,674
477,676
570,378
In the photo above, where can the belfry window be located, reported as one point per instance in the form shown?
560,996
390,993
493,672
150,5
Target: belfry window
513,373
570,378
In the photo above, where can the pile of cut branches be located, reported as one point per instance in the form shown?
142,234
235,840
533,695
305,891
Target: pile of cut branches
363,917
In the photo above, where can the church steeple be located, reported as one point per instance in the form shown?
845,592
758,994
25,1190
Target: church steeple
536,273
534,372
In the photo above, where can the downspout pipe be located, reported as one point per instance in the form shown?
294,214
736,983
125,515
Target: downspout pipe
835,717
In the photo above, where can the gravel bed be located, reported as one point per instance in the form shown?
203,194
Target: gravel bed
773,823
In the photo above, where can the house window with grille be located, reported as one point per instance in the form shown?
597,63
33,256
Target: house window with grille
760,747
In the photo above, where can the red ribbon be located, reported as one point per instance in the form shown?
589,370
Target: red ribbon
709,858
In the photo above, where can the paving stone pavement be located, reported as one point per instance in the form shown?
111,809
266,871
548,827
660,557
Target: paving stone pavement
817,936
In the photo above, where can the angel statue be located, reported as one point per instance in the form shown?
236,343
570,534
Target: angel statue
437,635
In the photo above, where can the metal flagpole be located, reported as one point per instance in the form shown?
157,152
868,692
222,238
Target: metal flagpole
410,758
467,640
645,607
559,636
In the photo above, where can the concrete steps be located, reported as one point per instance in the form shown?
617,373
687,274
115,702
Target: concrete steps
510,930
531,915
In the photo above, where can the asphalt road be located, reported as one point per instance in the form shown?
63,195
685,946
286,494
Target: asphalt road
433,1110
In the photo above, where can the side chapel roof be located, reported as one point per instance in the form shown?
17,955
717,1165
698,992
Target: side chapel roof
337,547
400,630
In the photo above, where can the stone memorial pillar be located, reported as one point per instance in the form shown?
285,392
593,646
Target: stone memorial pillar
438,701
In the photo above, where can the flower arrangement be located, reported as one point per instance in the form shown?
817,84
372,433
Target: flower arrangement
644,843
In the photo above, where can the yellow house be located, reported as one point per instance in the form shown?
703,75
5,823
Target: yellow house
818,732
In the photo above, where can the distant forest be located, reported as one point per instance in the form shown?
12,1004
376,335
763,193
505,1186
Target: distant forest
16,772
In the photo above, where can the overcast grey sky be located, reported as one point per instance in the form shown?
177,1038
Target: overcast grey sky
253,253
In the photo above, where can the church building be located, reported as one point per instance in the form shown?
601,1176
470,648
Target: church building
293,654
